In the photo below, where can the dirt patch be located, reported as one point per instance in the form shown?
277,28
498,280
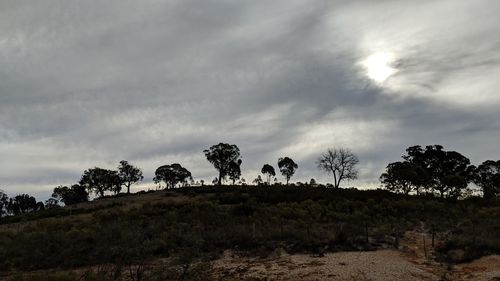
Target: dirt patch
412,261
378,265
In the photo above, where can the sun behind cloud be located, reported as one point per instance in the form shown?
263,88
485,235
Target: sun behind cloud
378,66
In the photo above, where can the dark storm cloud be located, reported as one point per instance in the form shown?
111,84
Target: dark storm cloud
154,82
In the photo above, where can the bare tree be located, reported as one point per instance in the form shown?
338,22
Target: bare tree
341,163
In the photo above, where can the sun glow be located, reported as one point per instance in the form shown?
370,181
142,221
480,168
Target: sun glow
378,66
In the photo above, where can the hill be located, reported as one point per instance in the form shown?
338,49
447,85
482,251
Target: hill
183,234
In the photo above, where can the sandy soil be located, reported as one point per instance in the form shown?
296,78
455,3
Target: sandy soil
380,265
412,261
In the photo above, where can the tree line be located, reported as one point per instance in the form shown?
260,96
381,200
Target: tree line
424,170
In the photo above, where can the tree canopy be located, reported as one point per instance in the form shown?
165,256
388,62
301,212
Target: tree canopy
404,177
171,175
487,177
223,156
100,180
269,171
234,172
431,169
287,167
4,201
23,204
71,195
129,174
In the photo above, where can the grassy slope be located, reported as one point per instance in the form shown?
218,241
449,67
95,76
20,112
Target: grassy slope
199,223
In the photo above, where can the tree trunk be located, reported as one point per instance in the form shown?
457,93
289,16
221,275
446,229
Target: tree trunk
425,247
220,178
433,236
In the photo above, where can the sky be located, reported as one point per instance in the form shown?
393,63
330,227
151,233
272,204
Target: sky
90,83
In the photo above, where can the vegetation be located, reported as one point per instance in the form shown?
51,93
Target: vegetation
258,180
268,170
487,177
429,190
172,175
18,205
70,195
129,174
341,163
234,172
225,157
287,168
194,220
430,170
101,180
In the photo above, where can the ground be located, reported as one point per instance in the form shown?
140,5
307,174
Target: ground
407,263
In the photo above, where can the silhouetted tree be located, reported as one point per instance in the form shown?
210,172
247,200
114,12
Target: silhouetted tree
234,172
487,177
51,203
129,174
171,175
341,163
4,201
71,195
100,180
23,204
258,180
404,177
223,156
268,170
287,167
445,172
312,182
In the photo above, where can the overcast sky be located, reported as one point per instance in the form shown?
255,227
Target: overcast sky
89,83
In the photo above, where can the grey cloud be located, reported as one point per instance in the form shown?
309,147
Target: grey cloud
88,84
